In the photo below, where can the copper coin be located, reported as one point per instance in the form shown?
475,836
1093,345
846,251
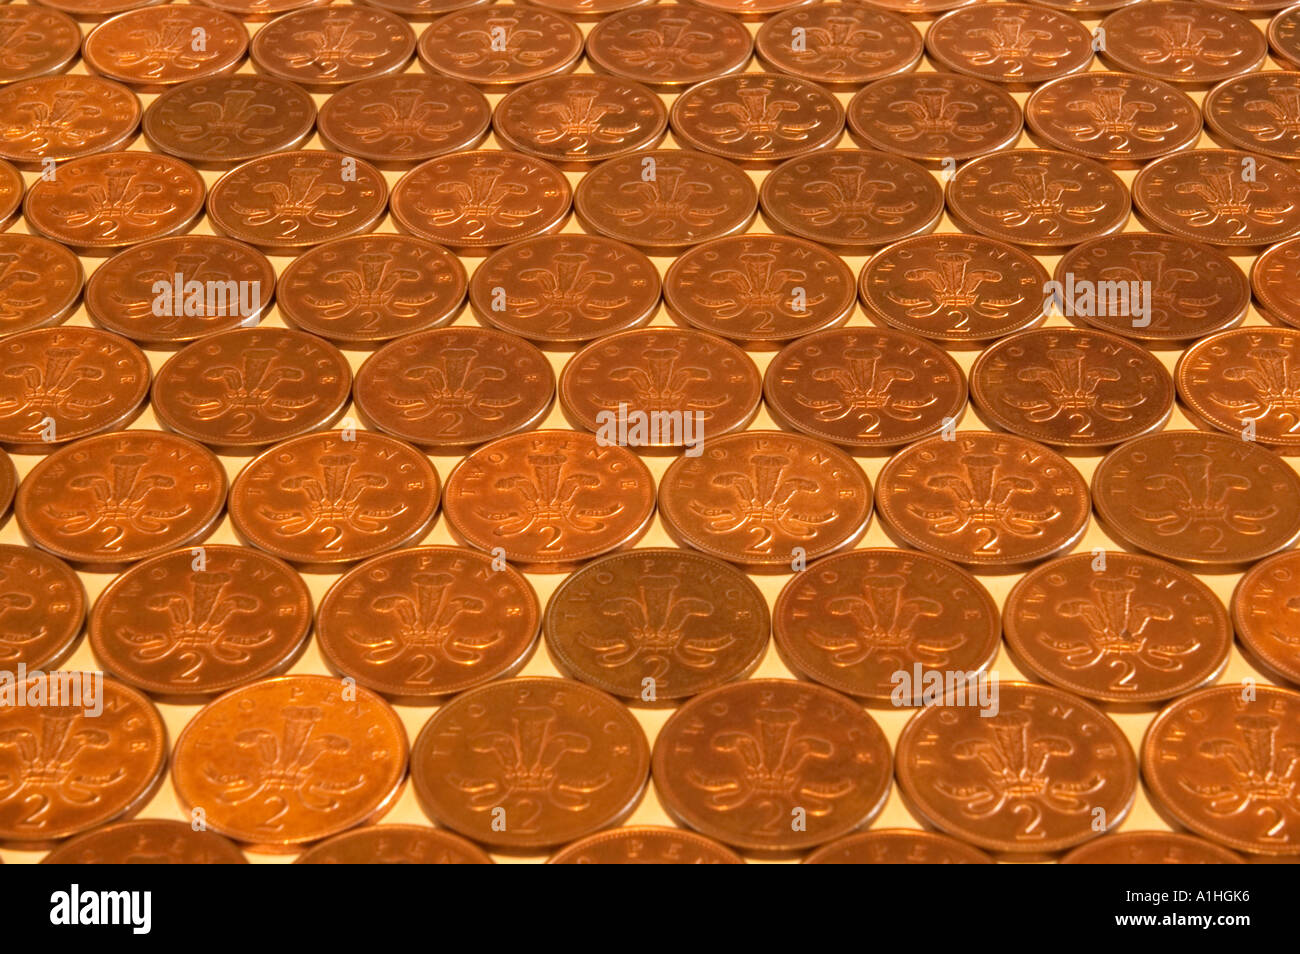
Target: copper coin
451,388
660,388
113,499
921,8
1184,42
1150,848
1208,501
323,48
864,389
851,200
854,621
243,389
1013,43
290,760
1038,198
401,120
1284,36
147,841
898,846
395,845
1250,6
751,9
427,622
137,293
288,201
8,483
196,622
549,500
839,44
666,200
1259,112
565,289
498,46
97,9
1080,8
669,47
1161,290
424,9
261,9
40,281
589,9
61,384
1222,766
11,193
578,119
335,497
1245,382
990,502
766,500
1072,388
154,49
530,763
227,120
960,290
654,626
1039,775
42,607
473,201
646,845
1275,279
65,117
37,42
366,289
1119,118
1266,615
772,765
757,118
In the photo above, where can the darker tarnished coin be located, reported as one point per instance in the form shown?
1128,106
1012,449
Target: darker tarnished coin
323,48
549,500
154,49
196,622
451,388
1150,848
565,289
990,502
290,760
498,46
262,9
1275,279
577,119
112,499
250,387
646,845
898,846
427,622
335,497
395,845
851,200
1013,43
1117,627
1047,771
669,47
1284,36
1259,112
42,607
855,621
38,42
229,119
40,280
772,765
1208,501
1243,382
752,9
530,763
864,389
65,117
97,9
766,500
147,841
839,44
656,626
1182,42
1038,198
1223,765
1266,614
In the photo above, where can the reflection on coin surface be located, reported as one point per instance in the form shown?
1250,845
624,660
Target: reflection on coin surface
1275,279
839,44
1266,614
1182,42
394,845
65,117
154,49
147,841
670,46
898,846
41,42
44,607
646,845
498,46
1284,36
1014,43
324,48
42,282
1150,848
1253,112
1237,381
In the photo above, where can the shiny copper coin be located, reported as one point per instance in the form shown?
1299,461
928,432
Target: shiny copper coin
772,765
1038,198
1150,848
839,44
97,9
751,9
1275,280
766,500
11,193
578,119
654,626
288,201
427,622
990,502
395,845
666,200
646,845
8,483
549,500
898,846
227,120
864,389
1183,42
499,46
530,763
1259,112
921,8
1266,614
1208,501
335,497
1013,43
851,200
290,760
41,281
147,841
451,388
42,608
196,622
1047,771
854,621
154,49
250,387
669,47
173,290
1222,765
38,42
1080,8
262,9
960,290
1284,36
424,9
65,117
589,9
112,499
323,48
1250,6
1243,382
61,384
